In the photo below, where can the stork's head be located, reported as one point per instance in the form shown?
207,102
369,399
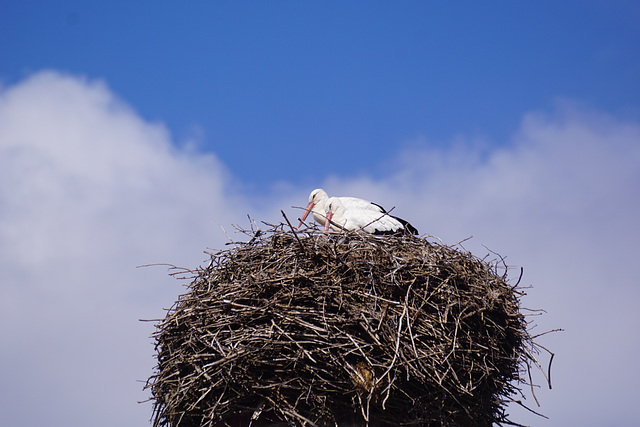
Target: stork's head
333,207
317,197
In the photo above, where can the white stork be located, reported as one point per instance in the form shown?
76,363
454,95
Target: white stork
318,205
372,219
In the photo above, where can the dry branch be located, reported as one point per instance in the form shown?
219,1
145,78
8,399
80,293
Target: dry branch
308,328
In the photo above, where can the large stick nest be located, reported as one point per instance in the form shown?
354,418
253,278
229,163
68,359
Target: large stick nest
308,328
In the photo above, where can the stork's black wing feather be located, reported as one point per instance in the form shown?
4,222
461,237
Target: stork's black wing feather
408,228
382,210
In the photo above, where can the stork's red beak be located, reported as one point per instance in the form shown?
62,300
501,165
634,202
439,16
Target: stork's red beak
306,212
327,221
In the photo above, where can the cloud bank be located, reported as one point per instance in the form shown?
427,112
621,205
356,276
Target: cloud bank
89,190
561,200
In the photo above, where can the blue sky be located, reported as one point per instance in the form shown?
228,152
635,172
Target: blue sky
134,133
296,90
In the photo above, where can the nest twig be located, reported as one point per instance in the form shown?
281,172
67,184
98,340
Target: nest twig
308,328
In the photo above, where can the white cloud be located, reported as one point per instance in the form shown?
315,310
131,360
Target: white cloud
89,190
561,200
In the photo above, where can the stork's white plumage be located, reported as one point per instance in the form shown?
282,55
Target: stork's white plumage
373,219
318,205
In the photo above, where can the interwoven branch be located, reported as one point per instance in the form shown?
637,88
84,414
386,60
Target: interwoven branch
319,329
